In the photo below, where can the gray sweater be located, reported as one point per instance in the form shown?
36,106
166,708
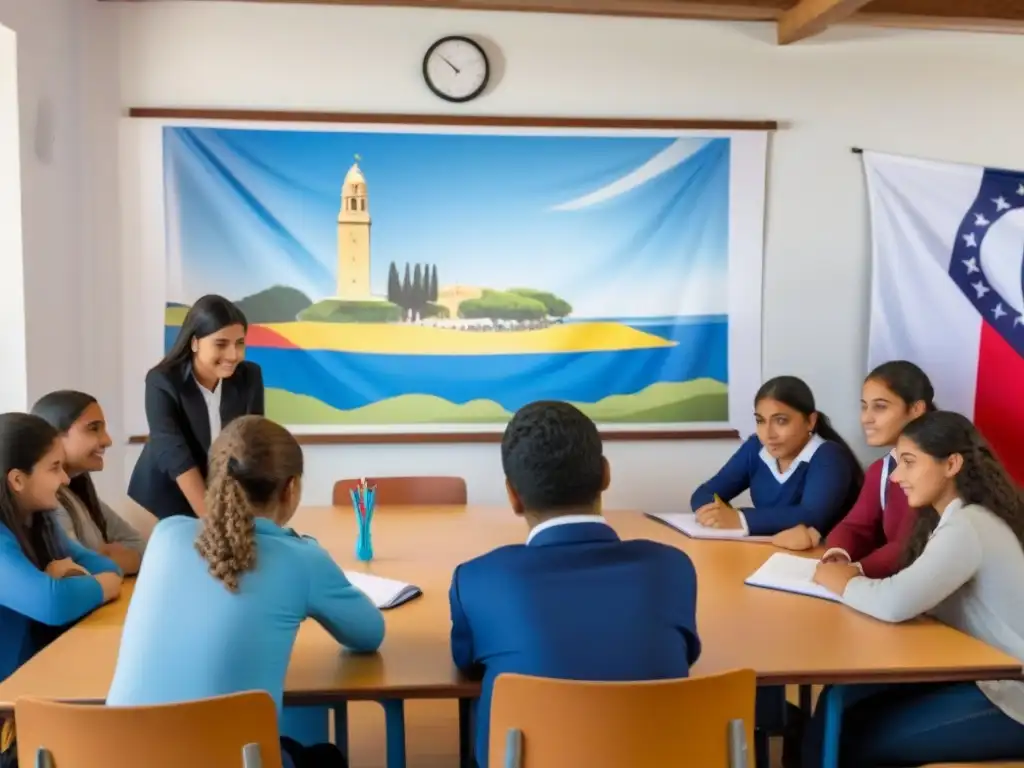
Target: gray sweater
971,577
74,519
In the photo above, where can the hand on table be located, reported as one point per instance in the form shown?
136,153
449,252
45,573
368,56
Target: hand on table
718,514
62,569
835,576
836,556
797,539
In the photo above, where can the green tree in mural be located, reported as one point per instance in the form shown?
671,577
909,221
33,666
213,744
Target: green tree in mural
394,285
432,293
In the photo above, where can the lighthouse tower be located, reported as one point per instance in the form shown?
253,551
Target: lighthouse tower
354,238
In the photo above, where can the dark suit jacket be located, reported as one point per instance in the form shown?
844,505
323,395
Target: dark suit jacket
576,603
179,432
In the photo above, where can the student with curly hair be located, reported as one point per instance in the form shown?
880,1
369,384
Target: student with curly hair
965,566
219,600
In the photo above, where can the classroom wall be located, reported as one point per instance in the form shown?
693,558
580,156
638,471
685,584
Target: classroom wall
13,385
68,105
941,95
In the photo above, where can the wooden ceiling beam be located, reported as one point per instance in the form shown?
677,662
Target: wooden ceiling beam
809,17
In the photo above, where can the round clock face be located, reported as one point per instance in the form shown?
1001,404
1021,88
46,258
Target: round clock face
456,69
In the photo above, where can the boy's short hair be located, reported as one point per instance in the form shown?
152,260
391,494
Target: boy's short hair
552,457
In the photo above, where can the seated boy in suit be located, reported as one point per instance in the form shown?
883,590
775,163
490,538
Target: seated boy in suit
574,602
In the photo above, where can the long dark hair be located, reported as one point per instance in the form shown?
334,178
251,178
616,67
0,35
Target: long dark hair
24,440
61,409
907,381
982,479
208,315
794,392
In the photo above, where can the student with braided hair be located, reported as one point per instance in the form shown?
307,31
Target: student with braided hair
965,566
219,600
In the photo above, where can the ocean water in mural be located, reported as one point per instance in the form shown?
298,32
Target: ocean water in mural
404,278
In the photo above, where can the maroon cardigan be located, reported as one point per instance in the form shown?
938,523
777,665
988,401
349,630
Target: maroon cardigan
872,535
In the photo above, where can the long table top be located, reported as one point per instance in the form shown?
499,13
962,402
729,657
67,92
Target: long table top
786,639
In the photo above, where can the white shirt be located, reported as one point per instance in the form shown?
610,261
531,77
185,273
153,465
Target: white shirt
212,400
772,463
968,577
565,520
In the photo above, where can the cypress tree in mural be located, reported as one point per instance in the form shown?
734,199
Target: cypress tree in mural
432,293
394,285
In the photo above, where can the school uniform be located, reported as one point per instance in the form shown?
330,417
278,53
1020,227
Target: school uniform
969,576
74,519
30,597
186,636
574,602
184,418
875,532
816,490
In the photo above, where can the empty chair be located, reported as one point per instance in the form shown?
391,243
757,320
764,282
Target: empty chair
236,731
400,491
702,722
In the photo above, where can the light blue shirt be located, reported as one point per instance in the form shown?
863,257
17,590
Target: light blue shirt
187,637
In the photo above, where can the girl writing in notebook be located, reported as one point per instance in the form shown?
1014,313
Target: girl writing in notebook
798,469
965,567
83,432
219,600
46,580
875,531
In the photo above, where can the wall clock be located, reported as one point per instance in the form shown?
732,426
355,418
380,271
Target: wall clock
456,69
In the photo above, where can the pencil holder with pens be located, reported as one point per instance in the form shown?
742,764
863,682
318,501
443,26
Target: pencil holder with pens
362,505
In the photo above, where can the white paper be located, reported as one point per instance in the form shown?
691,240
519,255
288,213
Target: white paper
385,593
790,573
686,522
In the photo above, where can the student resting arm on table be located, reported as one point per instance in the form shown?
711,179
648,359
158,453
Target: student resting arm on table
875,532
82,516
966,568
200,386
219,601
797,467
45,579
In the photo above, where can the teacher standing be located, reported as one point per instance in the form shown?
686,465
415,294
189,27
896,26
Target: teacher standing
199,387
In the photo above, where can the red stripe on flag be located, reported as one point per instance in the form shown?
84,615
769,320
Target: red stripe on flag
999,399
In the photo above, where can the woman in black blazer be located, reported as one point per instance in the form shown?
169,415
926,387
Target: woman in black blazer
201,385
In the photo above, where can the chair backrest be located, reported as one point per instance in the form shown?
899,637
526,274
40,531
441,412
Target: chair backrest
400,491
702,722
210,733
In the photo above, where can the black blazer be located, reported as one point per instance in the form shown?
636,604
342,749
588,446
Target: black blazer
179,432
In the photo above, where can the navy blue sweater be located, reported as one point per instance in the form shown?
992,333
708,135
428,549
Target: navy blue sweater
817,490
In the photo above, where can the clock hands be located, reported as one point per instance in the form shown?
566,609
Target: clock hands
456,69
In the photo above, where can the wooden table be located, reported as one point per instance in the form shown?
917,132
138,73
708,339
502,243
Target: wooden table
786,639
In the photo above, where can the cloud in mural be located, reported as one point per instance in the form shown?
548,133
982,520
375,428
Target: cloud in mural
673,155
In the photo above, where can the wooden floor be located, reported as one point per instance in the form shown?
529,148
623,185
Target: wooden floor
432,735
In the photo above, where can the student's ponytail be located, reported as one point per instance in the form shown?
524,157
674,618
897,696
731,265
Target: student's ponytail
794,392
251,461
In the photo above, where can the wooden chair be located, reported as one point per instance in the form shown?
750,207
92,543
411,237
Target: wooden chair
401,491
701,722
236,731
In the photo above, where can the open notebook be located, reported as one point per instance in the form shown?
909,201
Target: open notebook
790,573
686,522
385,593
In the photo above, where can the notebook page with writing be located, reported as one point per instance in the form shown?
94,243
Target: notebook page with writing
790,573
686,523
385,593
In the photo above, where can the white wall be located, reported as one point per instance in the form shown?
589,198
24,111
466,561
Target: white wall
68,98
14,384
940,95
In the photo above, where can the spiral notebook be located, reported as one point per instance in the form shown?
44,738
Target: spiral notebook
686,523
385,593
790,573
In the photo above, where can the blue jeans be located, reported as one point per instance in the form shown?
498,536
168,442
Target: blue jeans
909,725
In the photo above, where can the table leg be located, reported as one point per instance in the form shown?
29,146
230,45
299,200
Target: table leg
341,726
805,701
832,699
394,721
466,733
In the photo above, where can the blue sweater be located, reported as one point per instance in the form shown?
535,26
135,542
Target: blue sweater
187,637
819,487
29,595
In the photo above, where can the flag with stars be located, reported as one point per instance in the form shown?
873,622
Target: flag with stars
947,287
